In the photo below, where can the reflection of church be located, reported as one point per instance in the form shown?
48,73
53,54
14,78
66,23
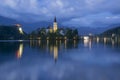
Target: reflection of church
55,53
54,50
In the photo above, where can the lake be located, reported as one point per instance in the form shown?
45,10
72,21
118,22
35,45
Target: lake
59,60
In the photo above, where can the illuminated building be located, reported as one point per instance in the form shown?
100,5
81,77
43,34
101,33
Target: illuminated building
49,29
19,28
86,38
55,27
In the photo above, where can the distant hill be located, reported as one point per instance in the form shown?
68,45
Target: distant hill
115,31
27,26
7,21
11,33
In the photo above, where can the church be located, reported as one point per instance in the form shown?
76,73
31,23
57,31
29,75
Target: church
54,28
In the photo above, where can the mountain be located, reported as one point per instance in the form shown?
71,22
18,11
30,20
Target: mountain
27,27
112,31
95,30
7,21
11,33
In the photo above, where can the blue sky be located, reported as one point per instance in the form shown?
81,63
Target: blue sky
92,13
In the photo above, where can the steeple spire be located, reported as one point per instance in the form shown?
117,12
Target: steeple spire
55,27
55,19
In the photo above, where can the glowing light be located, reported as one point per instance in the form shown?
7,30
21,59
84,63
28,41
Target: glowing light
51,49
55,27
20,51
47,38
65,38
90,34
105,40
56,37
18,25
86,42
39,42
113,43
98,39
55,53
74,38
47,42
86,37
113,35
56,42
39,38
51,30
65,43
20,30
90,44
74,43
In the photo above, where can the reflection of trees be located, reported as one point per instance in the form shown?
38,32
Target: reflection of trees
9,47
114,42
60,34
53,46
8,50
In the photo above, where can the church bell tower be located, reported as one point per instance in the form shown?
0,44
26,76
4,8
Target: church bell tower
55,27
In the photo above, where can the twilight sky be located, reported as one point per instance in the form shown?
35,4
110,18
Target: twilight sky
93,13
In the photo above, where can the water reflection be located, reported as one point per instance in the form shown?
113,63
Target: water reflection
98,39
19,51
55,52
105,40
53,47
10,50
8,47
73,60
88,43
65,43
113,42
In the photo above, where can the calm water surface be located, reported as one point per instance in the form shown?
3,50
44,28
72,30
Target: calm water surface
59,60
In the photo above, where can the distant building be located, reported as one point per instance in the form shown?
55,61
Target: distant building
55,26
49,29
19,28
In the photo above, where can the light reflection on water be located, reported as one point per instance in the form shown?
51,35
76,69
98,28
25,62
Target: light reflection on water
60,60
19,51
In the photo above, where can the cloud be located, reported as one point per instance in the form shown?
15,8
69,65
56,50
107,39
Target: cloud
89,11
94,20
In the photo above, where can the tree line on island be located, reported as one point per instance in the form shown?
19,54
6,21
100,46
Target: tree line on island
14,33
47,33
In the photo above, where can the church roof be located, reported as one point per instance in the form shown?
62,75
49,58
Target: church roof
55,19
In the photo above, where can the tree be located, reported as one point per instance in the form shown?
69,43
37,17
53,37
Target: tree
75,32
69,33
